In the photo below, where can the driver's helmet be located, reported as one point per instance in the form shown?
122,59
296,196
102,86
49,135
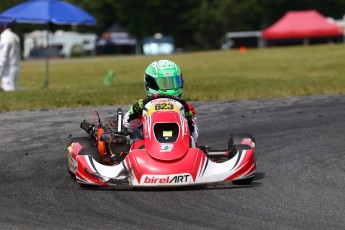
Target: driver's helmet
163,77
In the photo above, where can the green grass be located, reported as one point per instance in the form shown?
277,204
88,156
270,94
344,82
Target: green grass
213,75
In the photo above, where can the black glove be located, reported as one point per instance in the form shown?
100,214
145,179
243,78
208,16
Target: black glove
132,117
191,126
189,116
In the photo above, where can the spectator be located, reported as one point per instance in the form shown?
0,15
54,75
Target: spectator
9,57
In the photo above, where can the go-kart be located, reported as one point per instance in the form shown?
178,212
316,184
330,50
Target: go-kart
161,155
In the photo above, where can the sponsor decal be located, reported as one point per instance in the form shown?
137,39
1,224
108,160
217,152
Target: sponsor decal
166,179
164,106
166,147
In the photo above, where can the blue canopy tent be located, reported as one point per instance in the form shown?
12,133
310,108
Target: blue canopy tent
45,12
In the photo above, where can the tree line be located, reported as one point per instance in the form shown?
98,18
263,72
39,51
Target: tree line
194,24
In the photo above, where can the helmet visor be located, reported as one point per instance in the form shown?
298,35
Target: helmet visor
170,82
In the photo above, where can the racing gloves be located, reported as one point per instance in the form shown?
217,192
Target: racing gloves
189,116
136,110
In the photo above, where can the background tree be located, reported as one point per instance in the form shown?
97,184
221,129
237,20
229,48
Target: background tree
194,24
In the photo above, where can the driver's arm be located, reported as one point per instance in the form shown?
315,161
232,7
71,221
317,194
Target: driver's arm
136,110
131,118
131,124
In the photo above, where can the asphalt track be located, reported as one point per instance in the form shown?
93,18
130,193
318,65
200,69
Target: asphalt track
299,184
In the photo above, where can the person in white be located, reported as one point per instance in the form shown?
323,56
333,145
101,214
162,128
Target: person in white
9,58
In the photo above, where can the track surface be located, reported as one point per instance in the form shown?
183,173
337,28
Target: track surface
299,184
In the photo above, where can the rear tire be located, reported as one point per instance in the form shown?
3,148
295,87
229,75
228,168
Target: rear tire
238,138
83,141
91,151
88,186
72,175
234,146
235,141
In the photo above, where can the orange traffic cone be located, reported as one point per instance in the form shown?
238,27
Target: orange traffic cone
243,49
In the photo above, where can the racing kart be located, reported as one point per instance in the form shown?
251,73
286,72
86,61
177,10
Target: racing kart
161,155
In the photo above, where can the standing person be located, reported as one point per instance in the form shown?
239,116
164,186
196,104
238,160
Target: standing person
161,77
9,57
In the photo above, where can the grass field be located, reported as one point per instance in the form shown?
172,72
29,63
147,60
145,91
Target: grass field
213,75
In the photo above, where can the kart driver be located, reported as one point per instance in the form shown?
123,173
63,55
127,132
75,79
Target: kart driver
161,77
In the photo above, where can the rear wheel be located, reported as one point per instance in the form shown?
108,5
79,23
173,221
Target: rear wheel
235,142
83,141
88,186
246,181
86,143
235,145
91,151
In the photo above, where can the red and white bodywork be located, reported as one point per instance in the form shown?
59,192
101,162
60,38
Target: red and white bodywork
164,157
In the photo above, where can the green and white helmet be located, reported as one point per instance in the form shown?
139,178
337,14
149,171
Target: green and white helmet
163,77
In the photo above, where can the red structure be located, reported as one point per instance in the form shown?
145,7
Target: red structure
301,24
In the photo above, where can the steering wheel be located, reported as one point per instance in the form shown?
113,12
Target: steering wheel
157,96
183,102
